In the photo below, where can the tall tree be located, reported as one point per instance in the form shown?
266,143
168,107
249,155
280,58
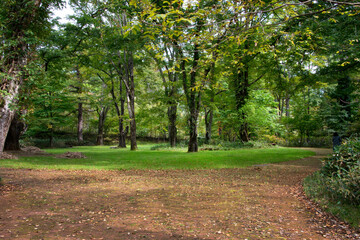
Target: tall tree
22,22
120,28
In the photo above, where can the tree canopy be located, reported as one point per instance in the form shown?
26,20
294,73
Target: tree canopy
276,71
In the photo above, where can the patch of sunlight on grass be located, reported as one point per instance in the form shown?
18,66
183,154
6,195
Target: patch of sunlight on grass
104,157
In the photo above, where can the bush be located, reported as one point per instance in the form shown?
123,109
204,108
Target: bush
273,139
324,141
336,187
342,171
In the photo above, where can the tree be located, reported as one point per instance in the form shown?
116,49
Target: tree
119,28
22,23
337,30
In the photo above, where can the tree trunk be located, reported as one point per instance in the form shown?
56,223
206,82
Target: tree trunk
241,95
193,141
170,90
131,109
172,124
16,129
122,133
9,100
120,114
209,114
100,135
130,92
287,104
15,53
5,121
102,117
244,131
80,123
119,111
193,98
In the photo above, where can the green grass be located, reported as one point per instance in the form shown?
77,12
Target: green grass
316,189
106,158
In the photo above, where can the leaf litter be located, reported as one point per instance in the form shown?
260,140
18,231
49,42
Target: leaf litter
261,202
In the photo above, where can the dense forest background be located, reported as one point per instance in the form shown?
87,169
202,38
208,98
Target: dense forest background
281,72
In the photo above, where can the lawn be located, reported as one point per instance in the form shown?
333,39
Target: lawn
102,157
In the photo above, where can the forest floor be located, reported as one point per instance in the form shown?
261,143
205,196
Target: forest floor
258,202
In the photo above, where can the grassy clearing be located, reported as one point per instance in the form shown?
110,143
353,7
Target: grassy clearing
105,158
317,190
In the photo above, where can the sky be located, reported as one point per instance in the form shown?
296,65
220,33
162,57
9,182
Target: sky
63,13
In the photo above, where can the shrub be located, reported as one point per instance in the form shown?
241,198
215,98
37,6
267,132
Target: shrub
341,171
324,141
273,139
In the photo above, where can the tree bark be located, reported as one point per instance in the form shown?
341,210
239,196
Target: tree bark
9,101
193,141
102,117
193,102
130,92
80,123
209,115
172,115
6,118
287,106
20,16
170,90
241,95
120,112
16,129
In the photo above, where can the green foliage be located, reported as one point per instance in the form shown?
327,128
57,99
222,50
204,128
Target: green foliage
261,116
304,121
336,187
339,105
261,113
51,107
249,62
273,139
342,171
216,145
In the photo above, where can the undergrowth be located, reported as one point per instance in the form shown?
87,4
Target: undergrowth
336,187
315,187
214,145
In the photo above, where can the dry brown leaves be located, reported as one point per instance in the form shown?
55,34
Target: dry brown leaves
71,155
328,225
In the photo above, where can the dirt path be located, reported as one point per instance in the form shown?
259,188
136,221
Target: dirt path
254,203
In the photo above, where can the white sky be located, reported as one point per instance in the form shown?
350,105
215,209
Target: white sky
63,13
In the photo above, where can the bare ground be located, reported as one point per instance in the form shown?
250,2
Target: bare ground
260,202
